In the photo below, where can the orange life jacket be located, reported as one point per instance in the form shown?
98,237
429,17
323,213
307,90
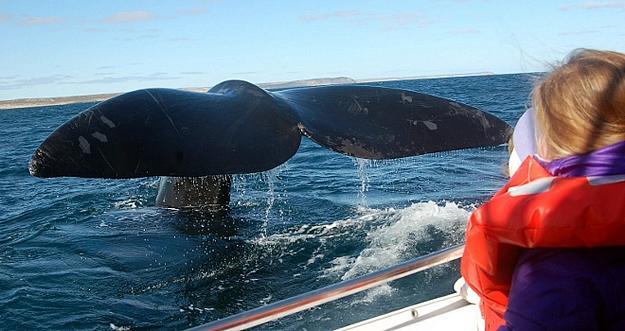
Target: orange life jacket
536,209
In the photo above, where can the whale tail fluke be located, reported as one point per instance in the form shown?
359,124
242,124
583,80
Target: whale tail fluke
238,127
165,132
384,123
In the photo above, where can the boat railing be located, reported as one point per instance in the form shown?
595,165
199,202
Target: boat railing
278,309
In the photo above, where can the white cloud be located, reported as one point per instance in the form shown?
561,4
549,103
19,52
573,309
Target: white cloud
596,5
191,11
15,83
8,77
129,17
146,36
40,20
466,31
179,39
4,17
403,20
245,73
578,33
144,15
389,21
193,73
341,14
158,76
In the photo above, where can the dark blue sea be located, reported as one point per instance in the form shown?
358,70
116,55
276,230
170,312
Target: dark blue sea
98,255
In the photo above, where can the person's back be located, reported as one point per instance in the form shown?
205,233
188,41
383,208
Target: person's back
568,289
547,252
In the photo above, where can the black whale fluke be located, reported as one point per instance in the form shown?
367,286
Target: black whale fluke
165,132
238,127
383,123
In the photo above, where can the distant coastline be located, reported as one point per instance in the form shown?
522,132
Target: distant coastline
53,101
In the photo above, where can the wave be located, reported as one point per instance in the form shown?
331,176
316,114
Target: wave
391,242
386,236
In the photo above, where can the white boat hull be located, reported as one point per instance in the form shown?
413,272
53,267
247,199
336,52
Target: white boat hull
451,312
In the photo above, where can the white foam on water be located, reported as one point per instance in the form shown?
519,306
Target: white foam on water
339,266
192,308
314,259
126,204
398,231
390,236
393,231
371,295
266,300
321,232
388,243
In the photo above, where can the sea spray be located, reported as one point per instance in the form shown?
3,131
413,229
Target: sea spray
270,178
361,165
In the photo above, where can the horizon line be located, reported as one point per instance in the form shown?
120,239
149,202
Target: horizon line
20,103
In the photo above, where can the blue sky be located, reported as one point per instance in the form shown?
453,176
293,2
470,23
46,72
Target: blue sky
71,47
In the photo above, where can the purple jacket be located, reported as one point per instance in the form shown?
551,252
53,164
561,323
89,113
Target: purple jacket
568,289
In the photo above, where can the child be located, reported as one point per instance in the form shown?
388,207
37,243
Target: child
542,254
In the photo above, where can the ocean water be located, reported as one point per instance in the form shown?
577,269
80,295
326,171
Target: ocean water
98,255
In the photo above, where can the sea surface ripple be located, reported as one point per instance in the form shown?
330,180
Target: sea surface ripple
98,255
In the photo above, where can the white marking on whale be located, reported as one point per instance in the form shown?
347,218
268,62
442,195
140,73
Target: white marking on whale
84,145
406,98
430,125
101,137
107,121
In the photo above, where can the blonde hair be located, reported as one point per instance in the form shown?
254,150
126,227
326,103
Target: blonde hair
580,105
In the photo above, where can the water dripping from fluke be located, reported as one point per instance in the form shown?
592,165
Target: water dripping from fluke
270,177
361,165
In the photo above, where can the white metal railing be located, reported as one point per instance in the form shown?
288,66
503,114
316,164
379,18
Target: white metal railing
332,292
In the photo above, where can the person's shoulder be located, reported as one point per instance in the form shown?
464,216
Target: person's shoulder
570,262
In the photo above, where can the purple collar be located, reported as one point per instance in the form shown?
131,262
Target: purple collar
606,161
